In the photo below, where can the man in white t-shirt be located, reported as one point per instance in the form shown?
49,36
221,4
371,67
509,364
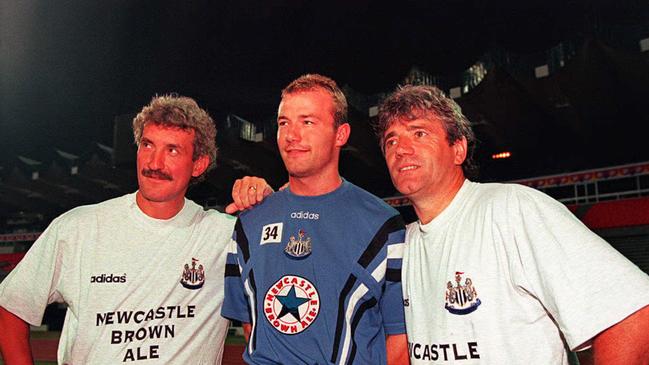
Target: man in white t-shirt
499,273
141,274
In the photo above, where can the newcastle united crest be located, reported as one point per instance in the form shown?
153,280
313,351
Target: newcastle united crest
194,277
298,248
461,299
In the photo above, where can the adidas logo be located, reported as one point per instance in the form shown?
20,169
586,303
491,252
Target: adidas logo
110,278
305,215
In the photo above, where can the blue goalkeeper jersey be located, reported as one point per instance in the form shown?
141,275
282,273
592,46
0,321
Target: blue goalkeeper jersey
317,277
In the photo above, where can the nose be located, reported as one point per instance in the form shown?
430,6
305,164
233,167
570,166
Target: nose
404,147
157,160
292,132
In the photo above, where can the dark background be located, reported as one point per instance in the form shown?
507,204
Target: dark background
68,68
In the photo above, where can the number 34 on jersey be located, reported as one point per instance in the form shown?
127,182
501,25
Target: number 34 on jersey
271,233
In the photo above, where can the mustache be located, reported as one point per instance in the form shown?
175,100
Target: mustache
156,174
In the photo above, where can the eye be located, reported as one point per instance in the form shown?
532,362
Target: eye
420,134
173,151
145,144
308,122
282,123
389,143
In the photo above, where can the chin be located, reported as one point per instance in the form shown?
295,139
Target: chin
407,189
401,187
297,174
155,196
296,171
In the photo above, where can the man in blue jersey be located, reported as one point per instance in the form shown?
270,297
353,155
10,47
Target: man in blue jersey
315,272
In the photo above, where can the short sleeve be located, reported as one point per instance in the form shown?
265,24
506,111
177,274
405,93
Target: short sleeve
235,305
392,299
35,282
583,282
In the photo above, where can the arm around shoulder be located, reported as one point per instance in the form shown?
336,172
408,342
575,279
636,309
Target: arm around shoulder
14,339
626,342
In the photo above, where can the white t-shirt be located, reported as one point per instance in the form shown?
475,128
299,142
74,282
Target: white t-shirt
138,289
507,275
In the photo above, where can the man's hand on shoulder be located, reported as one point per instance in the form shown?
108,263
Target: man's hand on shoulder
248,192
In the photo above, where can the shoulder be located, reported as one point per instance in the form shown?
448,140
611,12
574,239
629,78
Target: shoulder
89,213
508,195
525,198
212,218
370,214
364,200
271,205
490,193
514,207
68,226
217,219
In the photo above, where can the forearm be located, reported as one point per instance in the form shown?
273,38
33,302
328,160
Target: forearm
247,328
397,349
14,339
627,342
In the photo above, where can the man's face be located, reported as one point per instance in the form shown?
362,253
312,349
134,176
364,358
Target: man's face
307,140
164,163
419,157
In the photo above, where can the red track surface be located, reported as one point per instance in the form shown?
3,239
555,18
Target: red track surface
45,350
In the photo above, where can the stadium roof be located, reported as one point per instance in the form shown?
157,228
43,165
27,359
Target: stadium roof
67,71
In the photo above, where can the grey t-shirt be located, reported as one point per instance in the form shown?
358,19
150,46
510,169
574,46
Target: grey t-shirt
507,275
137,288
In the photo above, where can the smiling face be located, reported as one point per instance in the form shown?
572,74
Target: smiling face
165,167
421,162
308,141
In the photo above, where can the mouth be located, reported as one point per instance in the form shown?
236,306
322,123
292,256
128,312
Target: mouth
296,150
156,174
407,168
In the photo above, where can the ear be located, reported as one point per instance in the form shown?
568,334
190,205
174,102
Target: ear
342,134
200,165
460,151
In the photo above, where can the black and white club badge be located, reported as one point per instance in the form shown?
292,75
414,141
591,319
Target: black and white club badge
299,247
194,277
291,304
461,299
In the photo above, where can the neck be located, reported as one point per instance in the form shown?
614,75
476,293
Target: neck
314,185
159,210
429,206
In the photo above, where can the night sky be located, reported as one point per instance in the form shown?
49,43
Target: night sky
67,68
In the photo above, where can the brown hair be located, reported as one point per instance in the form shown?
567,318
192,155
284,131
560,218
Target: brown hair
410,102
310,82
181,112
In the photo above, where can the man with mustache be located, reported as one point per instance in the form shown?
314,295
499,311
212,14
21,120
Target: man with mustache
315,273
141,274
499,273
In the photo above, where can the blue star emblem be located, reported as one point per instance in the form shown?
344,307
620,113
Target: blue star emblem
291,304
